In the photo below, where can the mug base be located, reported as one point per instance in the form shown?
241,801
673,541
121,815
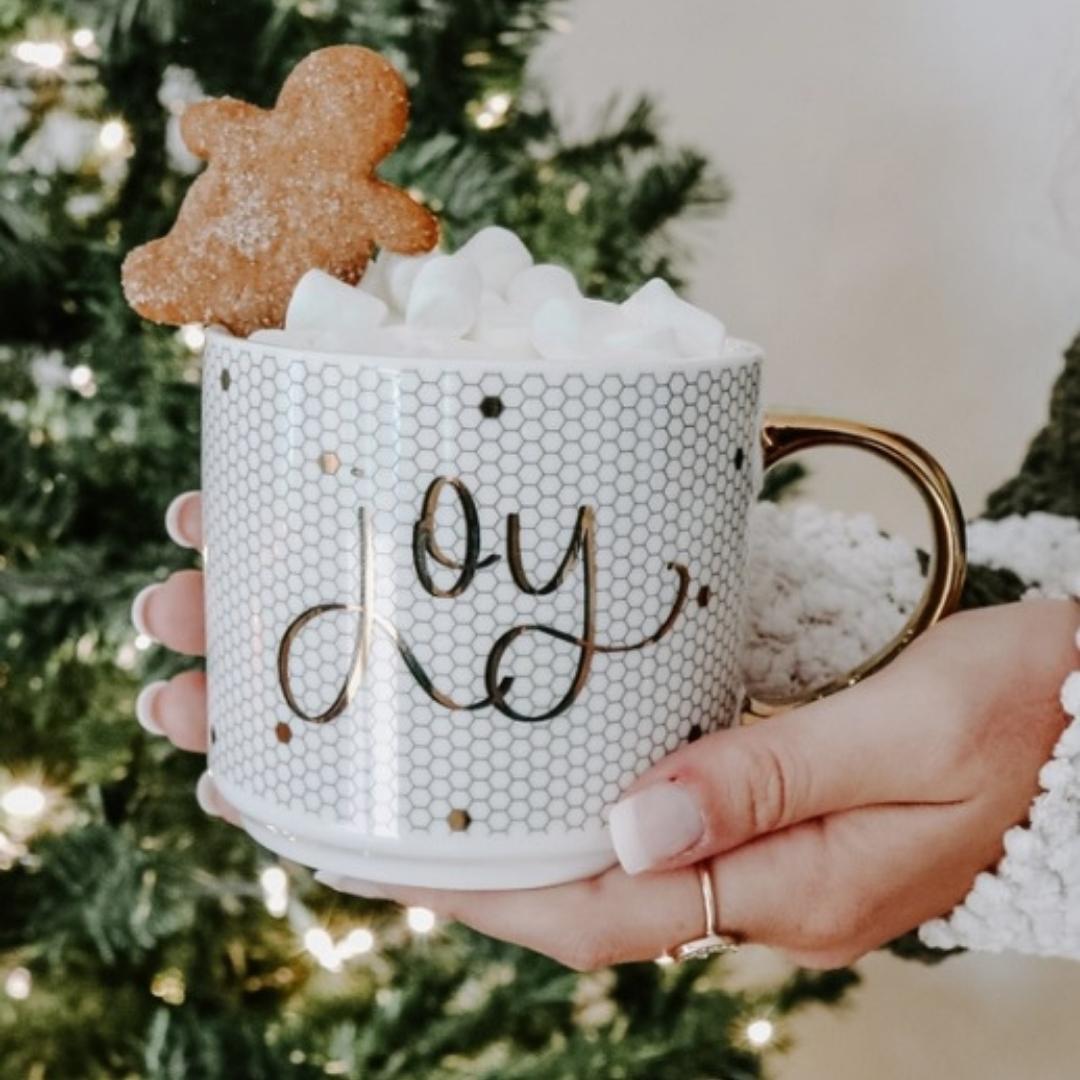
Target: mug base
454,862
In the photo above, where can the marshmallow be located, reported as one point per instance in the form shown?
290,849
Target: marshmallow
651,304
324,305
499,325
271,337
445,297
477,350
396,341
529,289
602,316
498,254
573,328
611,334
491,302
398,273
408,342
289,339
631,342
318,340
657,306
557,330
699,334
385,341
374,280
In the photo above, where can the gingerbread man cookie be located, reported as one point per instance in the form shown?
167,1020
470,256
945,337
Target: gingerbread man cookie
287,190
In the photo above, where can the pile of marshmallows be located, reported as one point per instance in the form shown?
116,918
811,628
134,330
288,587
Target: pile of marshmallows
489,300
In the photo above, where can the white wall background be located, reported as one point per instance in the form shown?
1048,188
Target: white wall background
905,234
905,242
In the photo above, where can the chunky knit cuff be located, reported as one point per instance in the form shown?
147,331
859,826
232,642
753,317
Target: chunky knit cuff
828,589
1031,902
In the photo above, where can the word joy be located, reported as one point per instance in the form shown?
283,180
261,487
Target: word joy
425,552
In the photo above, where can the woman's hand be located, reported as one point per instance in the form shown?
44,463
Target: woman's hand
173,614
828,830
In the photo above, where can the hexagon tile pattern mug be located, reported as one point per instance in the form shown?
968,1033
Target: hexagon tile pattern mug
455,607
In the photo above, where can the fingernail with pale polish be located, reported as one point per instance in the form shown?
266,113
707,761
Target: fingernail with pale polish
138,610
206,796
653,825
214,804
172,519
144,706
369,890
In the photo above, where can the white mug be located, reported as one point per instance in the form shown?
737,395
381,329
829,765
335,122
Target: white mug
454,607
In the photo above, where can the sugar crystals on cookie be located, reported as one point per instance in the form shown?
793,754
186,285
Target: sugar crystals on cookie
286,190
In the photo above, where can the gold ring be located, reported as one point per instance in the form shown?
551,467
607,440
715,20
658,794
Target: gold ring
712,942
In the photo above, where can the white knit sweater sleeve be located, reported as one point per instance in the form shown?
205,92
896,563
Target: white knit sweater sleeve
828,589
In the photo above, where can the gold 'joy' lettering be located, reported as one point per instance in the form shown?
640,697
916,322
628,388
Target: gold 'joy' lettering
581,549
424,543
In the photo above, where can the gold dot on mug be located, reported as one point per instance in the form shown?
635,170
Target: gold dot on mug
226,379
283,733
329,462
491,407
704,596
694,733
458,820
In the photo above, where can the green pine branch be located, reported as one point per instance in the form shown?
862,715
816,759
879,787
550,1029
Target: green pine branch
1049,478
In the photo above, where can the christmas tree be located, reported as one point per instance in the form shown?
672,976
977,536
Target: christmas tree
1049,480
139,938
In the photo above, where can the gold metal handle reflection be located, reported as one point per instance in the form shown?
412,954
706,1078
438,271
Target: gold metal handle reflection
785,434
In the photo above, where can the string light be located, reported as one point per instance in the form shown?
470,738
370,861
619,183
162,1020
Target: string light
143,642
83,38
47,55
356,943
169,986
421,920
665,960
82,380
274,879
24,801
332,954
493,110
760,1032
576,196
192,335
113,135
320,944
18,984
275,887
126,656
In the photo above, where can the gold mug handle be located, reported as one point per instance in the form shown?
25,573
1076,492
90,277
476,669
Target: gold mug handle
783,434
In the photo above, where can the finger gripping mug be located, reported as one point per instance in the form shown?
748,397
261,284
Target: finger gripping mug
454,608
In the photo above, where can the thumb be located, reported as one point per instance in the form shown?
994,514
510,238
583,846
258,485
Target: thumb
858,747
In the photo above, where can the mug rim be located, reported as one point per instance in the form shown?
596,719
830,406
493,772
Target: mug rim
737,353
